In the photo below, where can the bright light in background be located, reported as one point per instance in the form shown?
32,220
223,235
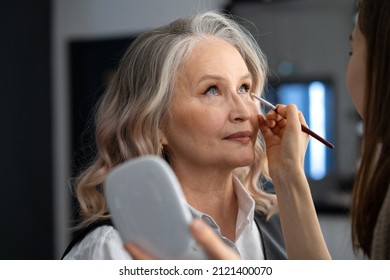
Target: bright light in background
317,124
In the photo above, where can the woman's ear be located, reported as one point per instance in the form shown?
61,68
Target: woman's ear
162,137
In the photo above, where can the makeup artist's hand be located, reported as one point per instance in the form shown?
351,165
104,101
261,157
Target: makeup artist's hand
204,235
286,147
286,143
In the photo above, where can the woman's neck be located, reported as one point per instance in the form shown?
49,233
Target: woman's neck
212,192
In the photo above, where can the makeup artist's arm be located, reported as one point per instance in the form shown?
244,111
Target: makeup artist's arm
205,236
286,147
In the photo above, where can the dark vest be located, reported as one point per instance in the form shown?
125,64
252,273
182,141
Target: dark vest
270,231
271,237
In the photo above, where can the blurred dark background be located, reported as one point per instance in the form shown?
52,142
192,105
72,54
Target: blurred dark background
26,163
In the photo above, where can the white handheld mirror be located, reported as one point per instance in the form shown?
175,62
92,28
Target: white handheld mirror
149,209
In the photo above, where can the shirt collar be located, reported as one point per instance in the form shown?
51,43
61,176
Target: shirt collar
246,206
246,209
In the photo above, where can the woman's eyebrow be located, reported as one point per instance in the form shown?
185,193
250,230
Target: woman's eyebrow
209,77
350,37
247,76
220,77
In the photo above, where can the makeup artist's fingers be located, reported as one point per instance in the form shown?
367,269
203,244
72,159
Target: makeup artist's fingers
137,253
280,124
268,130
285,112
271,118
272,115
275,122
270,123
262,121
302,118
212,244
290,112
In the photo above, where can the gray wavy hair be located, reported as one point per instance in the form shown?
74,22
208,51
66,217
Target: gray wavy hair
138,98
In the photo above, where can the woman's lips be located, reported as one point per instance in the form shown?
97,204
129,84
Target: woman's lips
241,136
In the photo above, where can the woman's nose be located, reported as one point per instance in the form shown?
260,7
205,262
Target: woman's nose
239,109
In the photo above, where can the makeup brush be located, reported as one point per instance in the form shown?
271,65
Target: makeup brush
304,128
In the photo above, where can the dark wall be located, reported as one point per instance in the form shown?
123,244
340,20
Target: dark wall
92,65
26,164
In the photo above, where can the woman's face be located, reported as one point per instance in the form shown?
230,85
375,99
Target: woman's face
213,119
356,71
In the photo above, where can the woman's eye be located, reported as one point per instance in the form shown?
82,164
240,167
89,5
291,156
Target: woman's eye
212,90
350,52
243,89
